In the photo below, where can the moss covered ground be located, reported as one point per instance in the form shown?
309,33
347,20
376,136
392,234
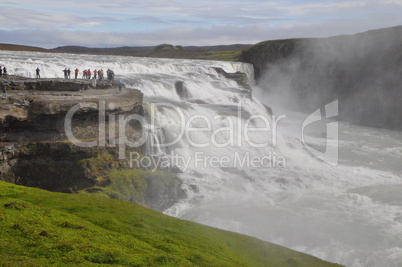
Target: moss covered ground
136,185
42,228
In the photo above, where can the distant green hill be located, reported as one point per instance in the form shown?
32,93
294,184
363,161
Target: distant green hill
217,52
41,228
13,47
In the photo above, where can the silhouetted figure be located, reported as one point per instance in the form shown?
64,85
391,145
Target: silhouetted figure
65,73
110,75
120,86
37,72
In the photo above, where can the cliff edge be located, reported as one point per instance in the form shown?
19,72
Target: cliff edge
362,71
72,136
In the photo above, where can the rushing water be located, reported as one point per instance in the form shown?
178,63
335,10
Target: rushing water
261,183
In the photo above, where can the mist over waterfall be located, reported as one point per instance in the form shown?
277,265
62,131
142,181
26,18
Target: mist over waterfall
363,71
247,170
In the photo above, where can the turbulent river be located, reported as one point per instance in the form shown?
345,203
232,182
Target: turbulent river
251,172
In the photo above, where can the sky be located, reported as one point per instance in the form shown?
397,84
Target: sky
113,23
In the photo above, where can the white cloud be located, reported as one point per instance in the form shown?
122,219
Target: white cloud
392,2
167,8
214,35
89,24
23,18
17,18
183,22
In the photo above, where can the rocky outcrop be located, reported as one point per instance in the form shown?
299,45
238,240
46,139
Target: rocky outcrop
41,116
36,147
181,90
362,71
51,166
39,131
240,77
264,54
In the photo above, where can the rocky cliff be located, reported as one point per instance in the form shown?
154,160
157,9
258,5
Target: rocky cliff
67,136
362,71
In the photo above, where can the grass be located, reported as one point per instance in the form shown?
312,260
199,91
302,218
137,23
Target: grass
132,185
129,185
99,165
157,190
42,228
221,55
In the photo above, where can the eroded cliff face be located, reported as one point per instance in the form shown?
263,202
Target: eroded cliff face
31,115
362,71
69,140
264,54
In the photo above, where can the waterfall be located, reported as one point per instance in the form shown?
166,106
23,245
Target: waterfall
246,171
155,140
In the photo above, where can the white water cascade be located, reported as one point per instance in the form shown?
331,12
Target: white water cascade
246,171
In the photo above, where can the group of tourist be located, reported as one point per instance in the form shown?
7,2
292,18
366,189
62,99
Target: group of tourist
88,74
3,71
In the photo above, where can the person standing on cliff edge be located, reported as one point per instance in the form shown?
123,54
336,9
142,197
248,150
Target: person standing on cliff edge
76,72
37,72
65,73
120,86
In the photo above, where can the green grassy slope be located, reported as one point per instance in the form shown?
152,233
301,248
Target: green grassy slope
41,228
